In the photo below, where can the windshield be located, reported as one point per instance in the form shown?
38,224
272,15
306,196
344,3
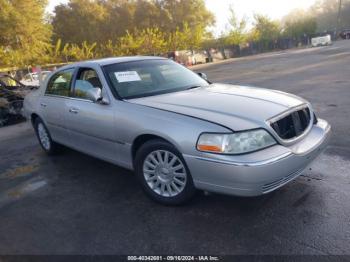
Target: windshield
7,81
151,77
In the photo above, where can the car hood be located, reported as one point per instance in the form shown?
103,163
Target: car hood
235,107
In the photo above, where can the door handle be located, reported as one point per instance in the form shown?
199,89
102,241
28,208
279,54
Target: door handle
73,110
43,104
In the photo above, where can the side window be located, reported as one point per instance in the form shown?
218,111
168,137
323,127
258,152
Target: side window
60,83
86,79
27,78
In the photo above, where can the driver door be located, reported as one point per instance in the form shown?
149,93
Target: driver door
91,125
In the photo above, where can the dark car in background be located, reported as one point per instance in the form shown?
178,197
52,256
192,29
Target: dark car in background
12,93
345,34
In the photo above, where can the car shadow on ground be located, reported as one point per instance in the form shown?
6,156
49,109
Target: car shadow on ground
119,184
89,197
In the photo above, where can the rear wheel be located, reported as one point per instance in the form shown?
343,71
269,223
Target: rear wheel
45,140
163,173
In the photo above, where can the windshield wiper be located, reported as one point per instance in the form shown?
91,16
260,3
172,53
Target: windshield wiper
192,87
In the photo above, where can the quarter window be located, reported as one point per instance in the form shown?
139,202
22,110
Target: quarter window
60,83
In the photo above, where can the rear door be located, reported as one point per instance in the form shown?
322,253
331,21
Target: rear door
53,105
91,125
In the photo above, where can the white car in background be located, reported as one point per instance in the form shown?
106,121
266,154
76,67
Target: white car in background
32,79
321,41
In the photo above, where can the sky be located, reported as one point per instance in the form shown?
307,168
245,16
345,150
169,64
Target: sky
275,9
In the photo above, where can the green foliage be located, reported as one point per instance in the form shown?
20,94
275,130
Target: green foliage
237,33
129,44
192,36
299,23
53,52
25,35
326,14
149,41
100,21
86,29
79,21
76,52
152,41
265,29
108,49
176,40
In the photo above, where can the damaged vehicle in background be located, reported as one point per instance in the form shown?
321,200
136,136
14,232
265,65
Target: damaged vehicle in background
32,79
175,129
12,93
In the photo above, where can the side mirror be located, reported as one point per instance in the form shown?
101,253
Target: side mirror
204,76
94,94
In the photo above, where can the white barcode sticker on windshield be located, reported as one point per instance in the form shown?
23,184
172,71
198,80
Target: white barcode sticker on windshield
127,76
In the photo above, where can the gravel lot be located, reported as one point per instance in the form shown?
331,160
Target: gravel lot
75,204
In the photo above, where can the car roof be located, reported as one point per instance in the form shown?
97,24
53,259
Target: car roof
111,60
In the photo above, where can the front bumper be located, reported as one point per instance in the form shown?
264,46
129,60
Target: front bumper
259,172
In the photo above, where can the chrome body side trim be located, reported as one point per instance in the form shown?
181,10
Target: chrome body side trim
70,98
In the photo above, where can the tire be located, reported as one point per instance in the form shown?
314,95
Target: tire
47,144
169,182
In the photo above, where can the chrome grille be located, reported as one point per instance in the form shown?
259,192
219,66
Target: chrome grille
293,124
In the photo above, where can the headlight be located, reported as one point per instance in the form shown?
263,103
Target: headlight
236,143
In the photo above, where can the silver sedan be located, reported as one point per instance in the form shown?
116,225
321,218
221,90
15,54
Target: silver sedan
178,131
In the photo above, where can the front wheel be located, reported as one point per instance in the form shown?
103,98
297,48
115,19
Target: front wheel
163,173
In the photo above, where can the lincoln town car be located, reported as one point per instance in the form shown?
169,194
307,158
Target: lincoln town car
175,129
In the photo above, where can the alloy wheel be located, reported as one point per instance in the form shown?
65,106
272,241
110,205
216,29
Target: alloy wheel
164,173
44,137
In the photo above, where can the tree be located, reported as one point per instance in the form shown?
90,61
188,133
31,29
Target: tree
76,52
326,14
153,41
299,23
192,36
103,20
237,29
79,21
119,18
53,53
176,40
265,30
147,15
178,12
109,49
130,44
25,34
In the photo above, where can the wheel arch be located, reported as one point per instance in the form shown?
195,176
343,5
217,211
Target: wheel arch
143,138
33,117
